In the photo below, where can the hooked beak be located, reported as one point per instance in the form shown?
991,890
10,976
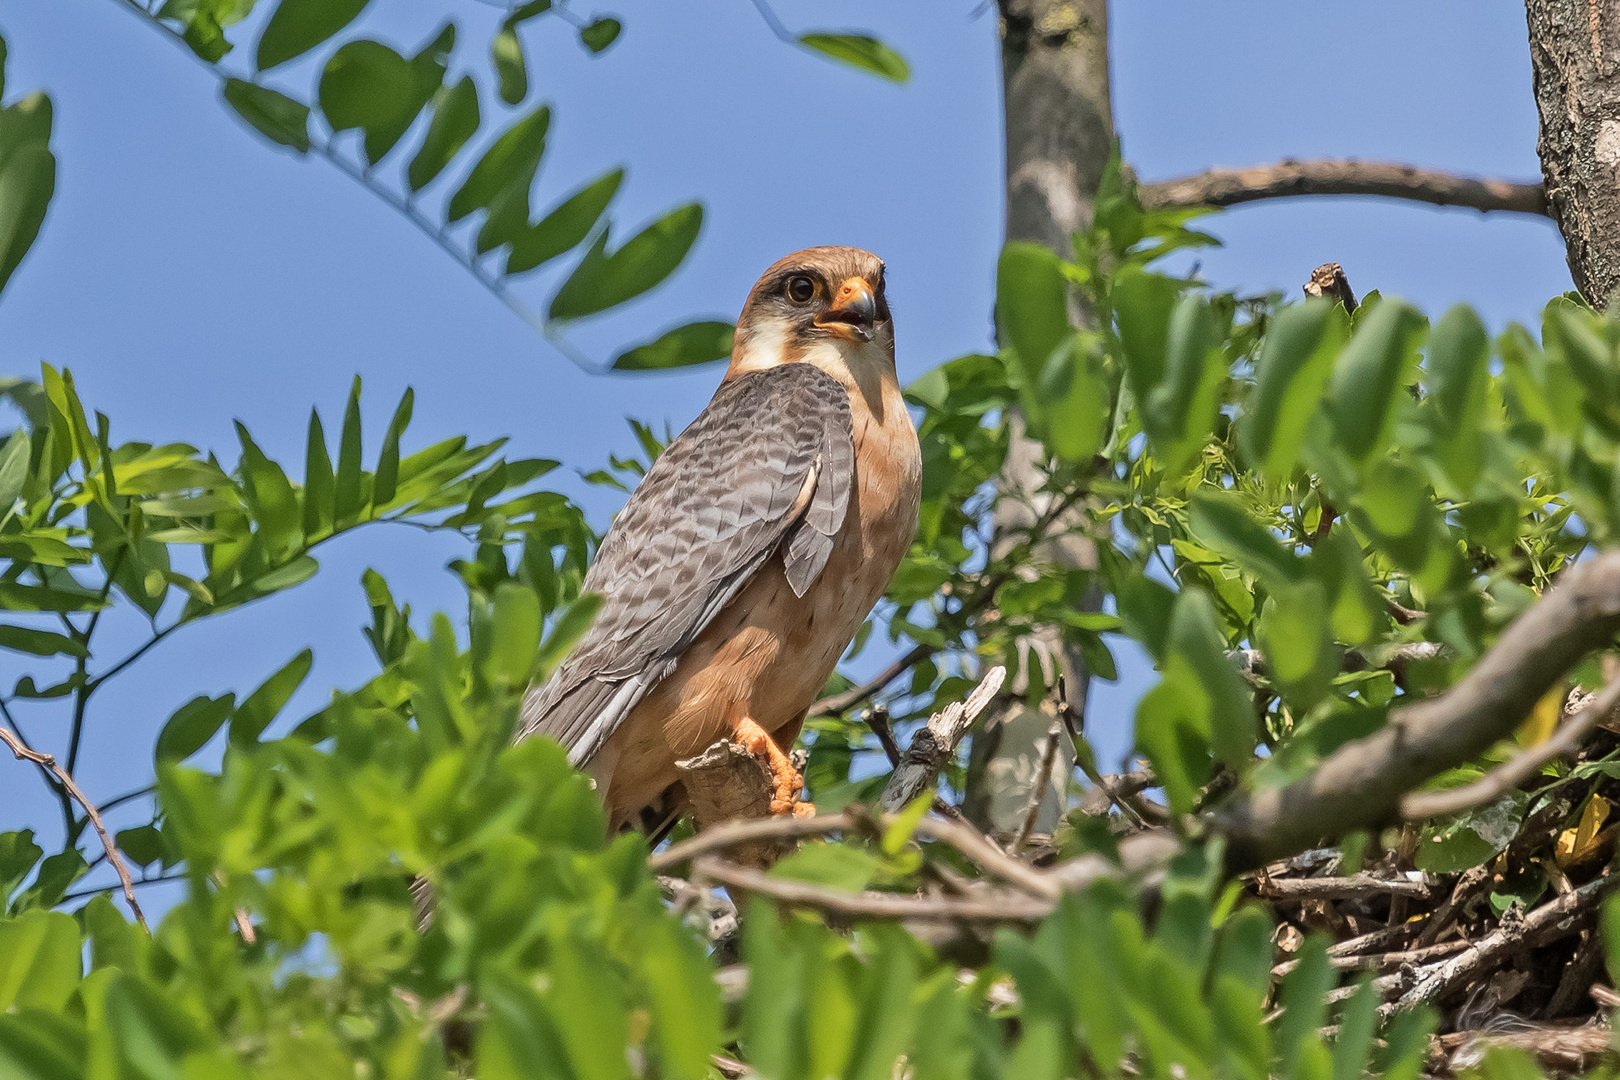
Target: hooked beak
852,313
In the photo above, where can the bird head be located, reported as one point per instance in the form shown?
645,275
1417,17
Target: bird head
824,306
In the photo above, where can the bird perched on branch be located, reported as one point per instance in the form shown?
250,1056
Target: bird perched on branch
753,549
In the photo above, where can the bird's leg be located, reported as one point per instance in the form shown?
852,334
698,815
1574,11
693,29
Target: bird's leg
757,741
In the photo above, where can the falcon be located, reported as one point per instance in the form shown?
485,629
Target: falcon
750,553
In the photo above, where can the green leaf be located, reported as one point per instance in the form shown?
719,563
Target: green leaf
1372,369
1458,382
192,725
320,485
39,961
272,114
836,866
600,34
271,500
507,53
296,572
13,470
256,711
387,478
1358,1023
27,182
514,635
1297,636
682,346
40,642
601,281
1304,999
1220,522
1032,312
501,180
860,51
15,597
1079,407
455,120
369,86
1143,304
1296,360
567,630
565,227
685,1002
1180,412
348,499
297,26
18,856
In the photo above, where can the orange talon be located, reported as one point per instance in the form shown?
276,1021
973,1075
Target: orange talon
757,741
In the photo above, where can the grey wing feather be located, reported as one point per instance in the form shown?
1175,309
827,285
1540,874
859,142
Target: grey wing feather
715,506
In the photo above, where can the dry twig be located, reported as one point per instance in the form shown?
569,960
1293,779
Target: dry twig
65,778
1523,766
932,746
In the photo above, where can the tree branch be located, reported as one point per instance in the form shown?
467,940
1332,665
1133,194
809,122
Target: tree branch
47,761
1566,740
934,744
999,907
1361,784
1289,178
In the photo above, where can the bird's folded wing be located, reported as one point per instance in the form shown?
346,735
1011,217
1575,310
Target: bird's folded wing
720,500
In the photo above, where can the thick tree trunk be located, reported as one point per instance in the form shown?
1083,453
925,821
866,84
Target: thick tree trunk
1060,130
1575,64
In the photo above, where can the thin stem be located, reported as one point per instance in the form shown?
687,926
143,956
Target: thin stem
137,882
440,236
81,696
69,819
128,796
46,761
776,25
96,682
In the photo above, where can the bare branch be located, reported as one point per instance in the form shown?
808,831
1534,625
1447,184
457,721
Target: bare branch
1552,920
1343,888
1289,178
856,695
1566,740
1361,784
932,746
1042,780
964,838
65,778
995,907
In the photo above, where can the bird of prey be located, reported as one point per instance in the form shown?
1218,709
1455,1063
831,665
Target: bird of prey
752,550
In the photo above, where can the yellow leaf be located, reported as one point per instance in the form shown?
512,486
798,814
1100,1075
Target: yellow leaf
1543,719
1577,845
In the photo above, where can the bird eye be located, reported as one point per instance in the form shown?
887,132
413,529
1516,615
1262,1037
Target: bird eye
800,289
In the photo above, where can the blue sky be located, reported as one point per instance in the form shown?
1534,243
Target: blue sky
190,274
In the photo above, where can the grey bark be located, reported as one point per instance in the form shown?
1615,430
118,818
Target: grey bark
1060,130
1575,67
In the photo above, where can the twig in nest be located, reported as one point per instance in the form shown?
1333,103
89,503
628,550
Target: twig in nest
989,907
1358,886
1550,921
1521,767
65,778
1043,780
932,746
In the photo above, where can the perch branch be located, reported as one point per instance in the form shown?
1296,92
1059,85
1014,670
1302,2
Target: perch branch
114,856
1361,784
1289,178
